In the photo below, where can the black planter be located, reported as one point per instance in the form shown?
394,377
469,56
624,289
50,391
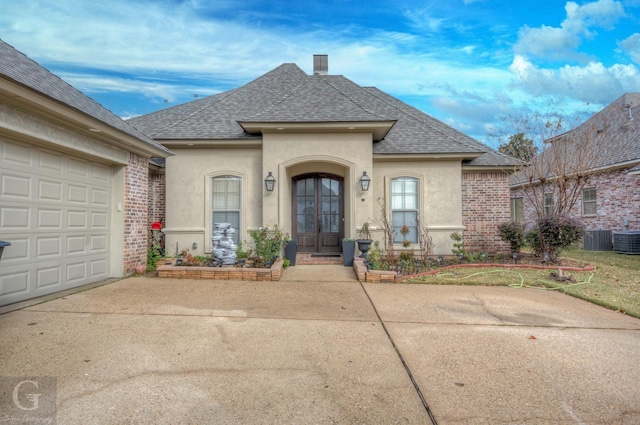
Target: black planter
2,245
363,246
290,251
348,252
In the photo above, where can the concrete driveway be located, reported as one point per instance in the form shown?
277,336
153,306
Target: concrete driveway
319,348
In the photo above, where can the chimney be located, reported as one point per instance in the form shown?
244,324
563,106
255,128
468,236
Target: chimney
321,64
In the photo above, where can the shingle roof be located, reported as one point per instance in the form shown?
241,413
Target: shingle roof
19,68
610,138
287,94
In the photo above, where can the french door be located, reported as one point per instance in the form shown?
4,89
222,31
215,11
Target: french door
318,208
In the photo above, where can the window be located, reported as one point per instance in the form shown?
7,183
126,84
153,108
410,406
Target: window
404,208
517,210
225,203
548,203
589,205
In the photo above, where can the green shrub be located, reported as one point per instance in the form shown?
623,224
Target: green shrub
553,234
514,234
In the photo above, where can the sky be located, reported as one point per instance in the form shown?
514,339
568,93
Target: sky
469,63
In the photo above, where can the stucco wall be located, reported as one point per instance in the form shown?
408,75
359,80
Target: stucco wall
188,188
343,154
440,196
485,205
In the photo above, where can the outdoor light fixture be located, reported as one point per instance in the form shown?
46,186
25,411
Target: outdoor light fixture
269,182
364,181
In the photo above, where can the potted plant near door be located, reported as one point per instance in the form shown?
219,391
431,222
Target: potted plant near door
364,239
348,251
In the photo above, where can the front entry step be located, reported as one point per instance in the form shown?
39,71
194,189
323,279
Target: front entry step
318,259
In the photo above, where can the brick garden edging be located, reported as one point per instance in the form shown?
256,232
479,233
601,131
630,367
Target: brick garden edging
223,273
383,276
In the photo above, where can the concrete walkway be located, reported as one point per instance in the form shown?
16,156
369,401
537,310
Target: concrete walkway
319,348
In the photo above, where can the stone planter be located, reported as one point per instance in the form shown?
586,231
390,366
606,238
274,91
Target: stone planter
223,273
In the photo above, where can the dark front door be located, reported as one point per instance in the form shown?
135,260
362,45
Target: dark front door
318,211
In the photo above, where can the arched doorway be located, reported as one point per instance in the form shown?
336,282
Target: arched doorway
318,212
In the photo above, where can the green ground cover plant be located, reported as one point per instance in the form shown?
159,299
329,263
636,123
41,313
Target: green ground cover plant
615,283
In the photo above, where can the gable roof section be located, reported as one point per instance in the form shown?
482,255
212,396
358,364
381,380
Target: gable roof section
288,95
18,68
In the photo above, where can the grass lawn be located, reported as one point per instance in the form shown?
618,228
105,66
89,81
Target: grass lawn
615,284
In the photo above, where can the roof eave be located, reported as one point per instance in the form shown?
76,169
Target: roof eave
378,129
26,98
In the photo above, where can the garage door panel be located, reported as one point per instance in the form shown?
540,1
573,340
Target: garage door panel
15,218
17,251
78,169
101,174
77,220
49,219
99,269
99,220
51,162
99,243
76,245
49,190
15,186
50,278
48,246
78,194
76,272
17,154
15,283
99,197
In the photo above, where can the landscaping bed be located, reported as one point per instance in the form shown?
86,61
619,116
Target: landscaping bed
222,273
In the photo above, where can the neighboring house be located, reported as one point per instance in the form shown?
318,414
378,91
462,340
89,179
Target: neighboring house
610,199
73,185
319,136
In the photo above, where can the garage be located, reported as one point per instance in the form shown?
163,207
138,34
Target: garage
55,210
74,185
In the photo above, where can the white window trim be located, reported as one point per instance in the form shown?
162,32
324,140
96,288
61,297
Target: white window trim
421,208
208,210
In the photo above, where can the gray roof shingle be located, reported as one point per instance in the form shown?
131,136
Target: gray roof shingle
287,94
19,68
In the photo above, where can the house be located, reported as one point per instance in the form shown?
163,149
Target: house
608,146
319,156
73,185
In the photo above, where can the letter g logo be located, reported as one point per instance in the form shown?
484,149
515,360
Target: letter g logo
32,397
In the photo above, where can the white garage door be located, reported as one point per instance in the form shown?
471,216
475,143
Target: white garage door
55,211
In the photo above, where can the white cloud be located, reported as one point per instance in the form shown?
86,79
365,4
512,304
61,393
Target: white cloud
562,42
593,83
631,46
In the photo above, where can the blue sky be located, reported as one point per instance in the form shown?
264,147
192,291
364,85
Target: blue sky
469,63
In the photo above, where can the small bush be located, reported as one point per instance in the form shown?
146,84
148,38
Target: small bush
513,233
554,233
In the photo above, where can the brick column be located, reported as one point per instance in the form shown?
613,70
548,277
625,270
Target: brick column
136,225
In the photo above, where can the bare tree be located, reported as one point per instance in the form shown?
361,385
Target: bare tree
569,156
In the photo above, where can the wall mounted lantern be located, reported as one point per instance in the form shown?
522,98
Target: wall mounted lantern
364,181
269,182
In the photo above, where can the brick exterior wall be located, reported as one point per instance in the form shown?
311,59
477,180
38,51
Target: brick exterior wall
157,200
136,223
617,199
485,205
